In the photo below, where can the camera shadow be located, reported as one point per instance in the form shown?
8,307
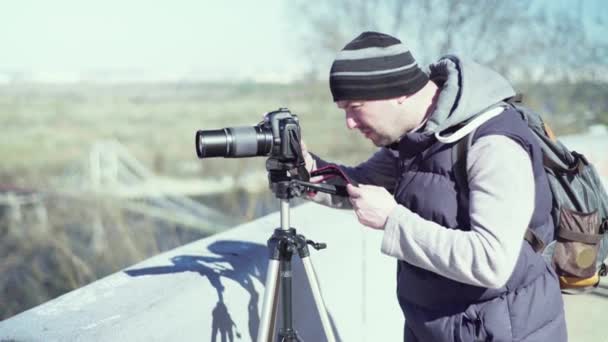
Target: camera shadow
240,261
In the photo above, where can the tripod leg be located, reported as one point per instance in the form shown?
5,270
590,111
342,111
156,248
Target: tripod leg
316,293
269,307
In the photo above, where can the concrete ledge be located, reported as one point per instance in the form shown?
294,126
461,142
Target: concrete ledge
214,287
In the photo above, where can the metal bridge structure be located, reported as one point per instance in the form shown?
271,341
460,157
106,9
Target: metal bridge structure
112,173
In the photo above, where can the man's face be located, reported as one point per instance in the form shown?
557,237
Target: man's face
379,120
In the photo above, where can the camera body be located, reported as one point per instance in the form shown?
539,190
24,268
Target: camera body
277,136
286,134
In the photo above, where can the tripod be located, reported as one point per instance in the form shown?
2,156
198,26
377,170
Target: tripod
283,243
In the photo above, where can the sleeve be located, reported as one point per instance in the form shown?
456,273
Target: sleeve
501,183
380,169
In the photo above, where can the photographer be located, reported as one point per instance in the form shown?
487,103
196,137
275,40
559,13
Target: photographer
465,272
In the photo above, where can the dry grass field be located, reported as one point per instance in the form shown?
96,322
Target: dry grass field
47,132
47,127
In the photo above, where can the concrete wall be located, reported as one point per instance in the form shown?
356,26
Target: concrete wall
214,287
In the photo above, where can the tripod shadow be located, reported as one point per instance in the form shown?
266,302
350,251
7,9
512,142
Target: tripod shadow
240,261
306,316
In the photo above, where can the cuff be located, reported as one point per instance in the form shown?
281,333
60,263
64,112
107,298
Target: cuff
393,229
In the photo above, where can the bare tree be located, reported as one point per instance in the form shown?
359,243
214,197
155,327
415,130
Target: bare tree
515,35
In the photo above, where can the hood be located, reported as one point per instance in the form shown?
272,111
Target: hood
466,89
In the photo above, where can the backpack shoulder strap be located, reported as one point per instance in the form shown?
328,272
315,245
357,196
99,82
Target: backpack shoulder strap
463,139
459,166
459,162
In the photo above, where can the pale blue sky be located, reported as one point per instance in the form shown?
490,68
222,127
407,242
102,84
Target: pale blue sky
211,39
200,39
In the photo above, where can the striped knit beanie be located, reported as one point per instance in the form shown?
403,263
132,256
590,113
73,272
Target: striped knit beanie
375,66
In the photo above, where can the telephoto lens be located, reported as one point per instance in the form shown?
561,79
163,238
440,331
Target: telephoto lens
234,142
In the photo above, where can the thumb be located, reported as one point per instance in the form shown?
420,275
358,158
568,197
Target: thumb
353,191
303,147
308,160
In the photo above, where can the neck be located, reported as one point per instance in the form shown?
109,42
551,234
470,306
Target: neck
427,98
431,99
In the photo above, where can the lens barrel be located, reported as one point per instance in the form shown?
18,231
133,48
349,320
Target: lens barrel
234,142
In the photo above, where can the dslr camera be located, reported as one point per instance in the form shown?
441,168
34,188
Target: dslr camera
277,136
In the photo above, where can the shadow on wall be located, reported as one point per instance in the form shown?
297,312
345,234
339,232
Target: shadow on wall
239,261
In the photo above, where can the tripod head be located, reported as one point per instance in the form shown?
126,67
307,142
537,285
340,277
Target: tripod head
287,183
289,179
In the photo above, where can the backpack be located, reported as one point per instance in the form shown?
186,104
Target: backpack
579,209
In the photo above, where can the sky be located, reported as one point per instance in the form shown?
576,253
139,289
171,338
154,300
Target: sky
71,40
206,39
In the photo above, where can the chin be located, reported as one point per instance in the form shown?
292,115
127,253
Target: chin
379,143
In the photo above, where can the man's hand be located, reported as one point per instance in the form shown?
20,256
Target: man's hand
310,163
372,204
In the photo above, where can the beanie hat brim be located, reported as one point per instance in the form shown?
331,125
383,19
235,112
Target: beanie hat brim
375,66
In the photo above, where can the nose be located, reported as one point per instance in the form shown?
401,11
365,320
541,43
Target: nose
351,123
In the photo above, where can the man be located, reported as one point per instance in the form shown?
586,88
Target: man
465,272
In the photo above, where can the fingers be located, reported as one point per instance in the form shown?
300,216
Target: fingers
316,179
353,195
353,191
309,162
360,217
371,204
304,147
